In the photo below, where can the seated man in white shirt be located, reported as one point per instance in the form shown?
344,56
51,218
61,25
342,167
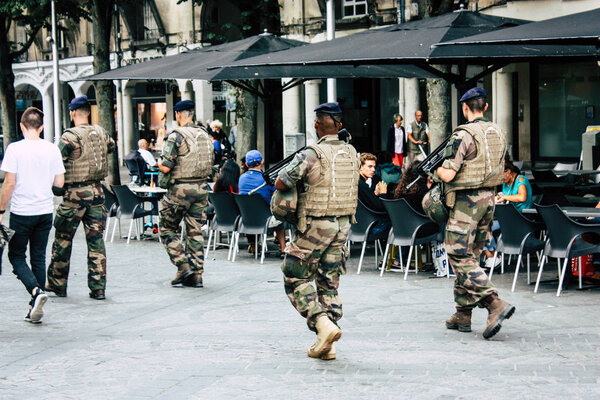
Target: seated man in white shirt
146,155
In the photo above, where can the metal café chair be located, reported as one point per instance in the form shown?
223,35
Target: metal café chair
517,238
564,241
409,228
255,215
132,207
359,232
112,207
226,219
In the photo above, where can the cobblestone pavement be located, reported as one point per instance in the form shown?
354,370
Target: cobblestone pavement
239,338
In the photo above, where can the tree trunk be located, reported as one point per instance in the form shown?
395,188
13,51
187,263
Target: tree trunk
439,105
7,92
245,113
102,16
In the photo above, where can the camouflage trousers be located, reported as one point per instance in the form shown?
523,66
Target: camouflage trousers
467,232
185,201
317,254
85,204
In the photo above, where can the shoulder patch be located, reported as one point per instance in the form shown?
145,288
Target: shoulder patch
522,179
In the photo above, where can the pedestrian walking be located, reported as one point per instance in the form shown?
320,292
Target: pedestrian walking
471,173
84,149
328,172
185,165
32,167
418,138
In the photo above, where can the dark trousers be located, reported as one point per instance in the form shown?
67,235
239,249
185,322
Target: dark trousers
32,229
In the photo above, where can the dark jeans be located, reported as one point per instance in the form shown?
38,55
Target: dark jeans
32,229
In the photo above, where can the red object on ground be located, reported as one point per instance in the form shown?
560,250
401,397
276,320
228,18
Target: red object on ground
587,265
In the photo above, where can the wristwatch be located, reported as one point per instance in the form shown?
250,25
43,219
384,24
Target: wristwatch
2,211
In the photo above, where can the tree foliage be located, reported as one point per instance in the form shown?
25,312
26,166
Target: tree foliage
33,15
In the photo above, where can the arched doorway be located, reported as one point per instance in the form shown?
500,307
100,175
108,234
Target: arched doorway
26,96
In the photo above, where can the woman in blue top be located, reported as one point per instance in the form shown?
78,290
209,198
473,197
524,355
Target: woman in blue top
515,189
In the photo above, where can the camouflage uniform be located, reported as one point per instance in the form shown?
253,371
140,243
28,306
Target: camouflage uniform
81,202
317,252
186,200
469,229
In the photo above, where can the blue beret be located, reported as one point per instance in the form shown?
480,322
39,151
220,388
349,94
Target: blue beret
184,105
473,93
253,158
78,102
329,108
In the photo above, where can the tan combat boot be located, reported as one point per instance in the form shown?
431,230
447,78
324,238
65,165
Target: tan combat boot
182,273
499,310
331,354
461,320
327,333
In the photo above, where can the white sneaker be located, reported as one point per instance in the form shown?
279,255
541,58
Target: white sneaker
489,261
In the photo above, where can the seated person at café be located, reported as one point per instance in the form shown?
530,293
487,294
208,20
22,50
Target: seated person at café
146,155
516,189
249,182
370,188
414,195
387,171
228,178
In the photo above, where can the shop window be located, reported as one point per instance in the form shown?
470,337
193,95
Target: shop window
355,8
569,97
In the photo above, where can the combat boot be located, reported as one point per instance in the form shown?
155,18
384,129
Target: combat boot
194,280
331,354
327,333
461,320
182,273
499,310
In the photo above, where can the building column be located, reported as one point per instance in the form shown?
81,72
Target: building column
204,100
48,110
185,89
260,126
503,103
411,99
129,137
119,120
290,110
311,101
170,113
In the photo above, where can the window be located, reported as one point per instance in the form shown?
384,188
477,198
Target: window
355,8
150,26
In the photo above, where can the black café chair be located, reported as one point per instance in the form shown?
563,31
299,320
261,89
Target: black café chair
255,214
112,210
517,237
564,241
409,228
131,206
359,232
227,216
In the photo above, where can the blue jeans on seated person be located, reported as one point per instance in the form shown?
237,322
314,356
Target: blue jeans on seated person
495,228
380,226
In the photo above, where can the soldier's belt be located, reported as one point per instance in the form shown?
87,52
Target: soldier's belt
80,184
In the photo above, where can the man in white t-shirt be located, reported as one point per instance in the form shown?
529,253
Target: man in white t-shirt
32,167
146,155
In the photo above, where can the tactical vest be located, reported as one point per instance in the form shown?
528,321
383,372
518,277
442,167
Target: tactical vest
197,162
92,164
487,168
334,191
418,133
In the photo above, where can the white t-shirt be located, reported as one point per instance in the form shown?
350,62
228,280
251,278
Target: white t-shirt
35,163
148,157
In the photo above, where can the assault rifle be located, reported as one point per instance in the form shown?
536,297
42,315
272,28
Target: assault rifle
426,167
270,175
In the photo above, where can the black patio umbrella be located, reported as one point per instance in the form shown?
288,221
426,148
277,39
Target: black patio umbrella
404,44
412,43
205,64
580,28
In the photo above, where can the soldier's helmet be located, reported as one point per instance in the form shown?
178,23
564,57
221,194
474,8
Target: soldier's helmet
433,205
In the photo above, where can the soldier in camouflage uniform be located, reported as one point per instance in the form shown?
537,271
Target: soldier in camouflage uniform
471,172
84,149
185,165
328,172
